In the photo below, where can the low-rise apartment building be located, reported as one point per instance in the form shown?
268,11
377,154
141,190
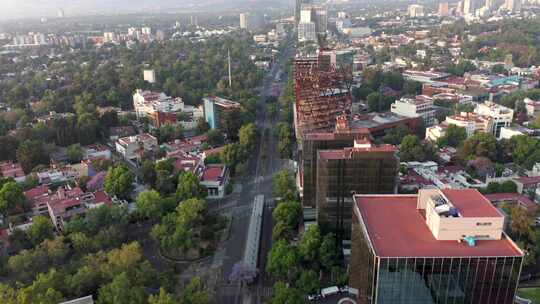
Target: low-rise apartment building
500,116
421,106
215,179
133,147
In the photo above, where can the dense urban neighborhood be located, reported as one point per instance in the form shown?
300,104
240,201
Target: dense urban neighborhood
270,152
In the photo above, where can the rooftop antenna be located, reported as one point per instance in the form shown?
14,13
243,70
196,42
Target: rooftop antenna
230,75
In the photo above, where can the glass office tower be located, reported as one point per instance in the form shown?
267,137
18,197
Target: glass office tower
486,273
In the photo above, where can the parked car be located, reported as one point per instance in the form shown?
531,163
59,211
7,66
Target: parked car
329,291
344,289
314,297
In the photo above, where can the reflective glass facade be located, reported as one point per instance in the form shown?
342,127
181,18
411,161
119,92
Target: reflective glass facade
338,179
310,147
427,280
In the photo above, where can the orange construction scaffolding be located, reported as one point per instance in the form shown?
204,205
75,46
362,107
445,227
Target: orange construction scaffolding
321,94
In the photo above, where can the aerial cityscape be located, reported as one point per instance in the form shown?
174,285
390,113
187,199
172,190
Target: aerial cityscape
278,152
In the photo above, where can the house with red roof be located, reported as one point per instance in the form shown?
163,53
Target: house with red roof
64,203
527,185
12,170
63,210
215,179
38,197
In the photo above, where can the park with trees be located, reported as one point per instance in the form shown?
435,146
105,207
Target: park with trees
115,253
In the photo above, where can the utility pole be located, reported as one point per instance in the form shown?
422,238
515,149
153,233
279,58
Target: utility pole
230,75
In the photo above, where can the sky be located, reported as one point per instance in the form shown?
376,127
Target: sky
14,9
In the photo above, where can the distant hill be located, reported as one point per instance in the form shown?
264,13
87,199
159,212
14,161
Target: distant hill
47,8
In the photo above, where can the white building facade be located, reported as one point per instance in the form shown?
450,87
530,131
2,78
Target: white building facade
146,103
421,106
501,116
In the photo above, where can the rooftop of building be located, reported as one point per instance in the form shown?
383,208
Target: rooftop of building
122,131
9,169
226,103
466,116
332,135
136,138
471,203
149,95
434,75
373,120
359,125
96,148
348,153
419,100
61,206
36,192
494,107
528,180
512,197
455,80
102,197
213,151
213,173
396,228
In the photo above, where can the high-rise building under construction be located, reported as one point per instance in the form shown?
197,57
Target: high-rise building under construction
321,93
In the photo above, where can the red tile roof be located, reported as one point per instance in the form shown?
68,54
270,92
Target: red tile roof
528,180
35,192
102,197
512,197
61,206
397,229
212,173
214,151
471,203
9,169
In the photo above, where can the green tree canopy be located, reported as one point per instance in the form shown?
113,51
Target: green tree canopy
32,153
11,197
480,144
454,136
284,185
149,204
148,172
75,153
287,215
286,295
41,229
189,187
283,260
121,291
411,149
395,135
247,137
215,137
163,297
119,181
195,293
309,245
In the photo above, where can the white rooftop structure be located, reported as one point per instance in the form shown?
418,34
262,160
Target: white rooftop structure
147,102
